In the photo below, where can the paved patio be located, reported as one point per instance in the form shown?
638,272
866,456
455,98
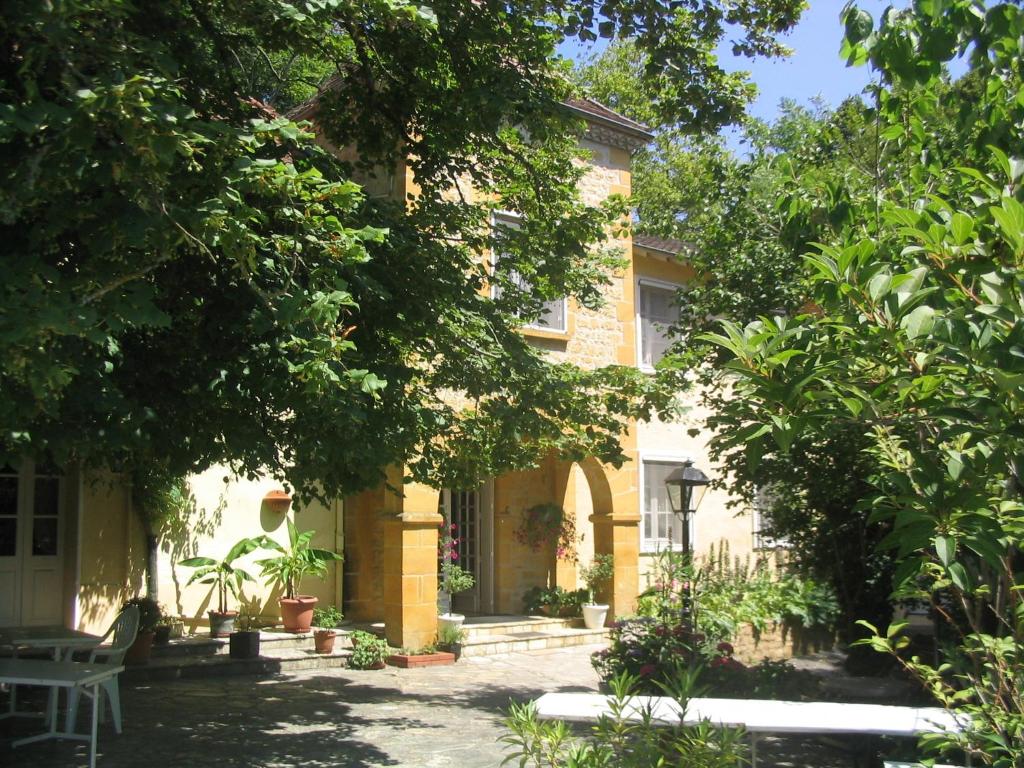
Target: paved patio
425,718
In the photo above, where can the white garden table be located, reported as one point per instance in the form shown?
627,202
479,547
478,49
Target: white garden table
55,675
757,716
60,641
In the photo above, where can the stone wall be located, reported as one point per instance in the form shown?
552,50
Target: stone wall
779,642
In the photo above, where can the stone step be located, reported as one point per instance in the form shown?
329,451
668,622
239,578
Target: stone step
269,662
270,640
529,640
477,629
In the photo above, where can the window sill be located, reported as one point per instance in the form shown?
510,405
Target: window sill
544,333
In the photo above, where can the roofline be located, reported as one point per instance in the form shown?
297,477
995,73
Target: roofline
607,122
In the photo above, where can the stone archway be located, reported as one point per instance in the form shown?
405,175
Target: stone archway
613,523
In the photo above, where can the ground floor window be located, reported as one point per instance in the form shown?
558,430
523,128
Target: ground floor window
660,528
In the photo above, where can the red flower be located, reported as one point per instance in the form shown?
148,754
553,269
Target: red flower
725,648
647,670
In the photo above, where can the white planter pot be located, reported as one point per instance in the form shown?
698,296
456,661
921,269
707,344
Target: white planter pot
450,620
594,616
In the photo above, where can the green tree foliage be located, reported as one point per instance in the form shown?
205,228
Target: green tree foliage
191,278
747,221
917,346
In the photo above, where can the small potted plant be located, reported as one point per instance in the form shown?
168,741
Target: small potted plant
454,579
244,642
450,638
325,620
149,616
599,572
368,651
164,627
288,568
226,577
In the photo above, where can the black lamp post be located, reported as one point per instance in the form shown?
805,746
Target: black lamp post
686,486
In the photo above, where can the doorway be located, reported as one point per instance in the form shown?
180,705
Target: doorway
472,514
31,545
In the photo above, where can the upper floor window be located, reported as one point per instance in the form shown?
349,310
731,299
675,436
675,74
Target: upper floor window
657,311
554,312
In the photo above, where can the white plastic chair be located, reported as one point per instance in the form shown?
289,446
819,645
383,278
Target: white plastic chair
121,634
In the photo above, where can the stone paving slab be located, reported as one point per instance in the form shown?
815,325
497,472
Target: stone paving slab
435,717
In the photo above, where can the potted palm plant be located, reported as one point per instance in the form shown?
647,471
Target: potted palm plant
595,575
227,577
288,568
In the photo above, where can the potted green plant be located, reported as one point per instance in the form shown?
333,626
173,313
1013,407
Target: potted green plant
226,577
454,579
288,568
325,620
450,638
163,629
149,616
244,642
599,572
368,651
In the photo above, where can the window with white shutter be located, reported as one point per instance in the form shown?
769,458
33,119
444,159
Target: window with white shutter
553,314
658,311
660,527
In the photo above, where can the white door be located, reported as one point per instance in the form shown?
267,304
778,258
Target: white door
31,546
472,514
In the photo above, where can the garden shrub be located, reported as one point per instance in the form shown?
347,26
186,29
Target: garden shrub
653,651
728,593
554,601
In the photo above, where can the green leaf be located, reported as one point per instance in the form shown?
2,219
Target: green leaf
958,574
945,548
919,322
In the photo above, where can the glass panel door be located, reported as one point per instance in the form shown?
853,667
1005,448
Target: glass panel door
31,560
10,560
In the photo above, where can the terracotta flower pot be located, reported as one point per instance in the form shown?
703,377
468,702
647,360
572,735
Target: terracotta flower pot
297,612
323,640
139,652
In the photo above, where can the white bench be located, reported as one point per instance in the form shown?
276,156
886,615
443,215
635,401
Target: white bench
757,716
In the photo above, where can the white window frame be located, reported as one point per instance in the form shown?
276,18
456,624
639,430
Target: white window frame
649,282
655,545
534,325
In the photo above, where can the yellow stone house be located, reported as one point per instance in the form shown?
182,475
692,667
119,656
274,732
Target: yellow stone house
72,549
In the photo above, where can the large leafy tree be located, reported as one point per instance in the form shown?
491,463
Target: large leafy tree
916,345
747,221
189,278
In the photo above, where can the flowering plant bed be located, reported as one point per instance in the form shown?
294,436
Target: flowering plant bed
412,660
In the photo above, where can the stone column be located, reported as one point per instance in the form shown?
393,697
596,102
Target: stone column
410,570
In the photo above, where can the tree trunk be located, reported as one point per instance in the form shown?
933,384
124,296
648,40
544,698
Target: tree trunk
151,565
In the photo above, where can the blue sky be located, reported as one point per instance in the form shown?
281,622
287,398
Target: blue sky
813,70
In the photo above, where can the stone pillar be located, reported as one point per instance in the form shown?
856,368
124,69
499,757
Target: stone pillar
619,535
410,570
616,522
